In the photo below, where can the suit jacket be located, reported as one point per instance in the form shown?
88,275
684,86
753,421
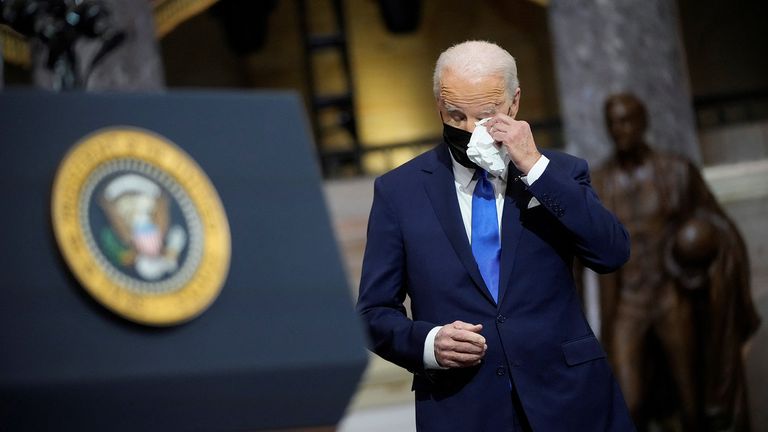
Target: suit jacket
538,338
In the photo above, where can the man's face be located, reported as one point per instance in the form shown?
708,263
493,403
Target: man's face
626,124
463,101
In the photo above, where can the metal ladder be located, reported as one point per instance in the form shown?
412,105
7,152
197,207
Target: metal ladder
333,162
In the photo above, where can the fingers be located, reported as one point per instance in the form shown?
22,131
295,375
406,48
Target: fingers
506,124
459,360
449,344
498,135
464,336
461,325
497,132
449,358
502,128
459,344
499,120
464,332
516,136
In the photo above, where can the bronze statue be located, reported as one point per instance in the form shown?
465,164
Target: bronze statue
676,316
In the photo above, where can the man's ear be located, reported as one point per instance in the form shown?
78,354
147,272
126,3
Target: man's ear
515,103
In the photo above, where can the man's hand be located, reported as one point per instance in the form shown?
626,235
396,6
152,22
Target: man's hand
459,345
516,136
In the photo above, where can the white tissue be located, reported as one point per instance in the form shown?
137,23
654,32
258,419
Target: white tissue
484,152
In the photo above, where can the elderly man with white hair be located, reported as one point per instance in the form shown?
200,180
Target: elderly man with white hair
496,340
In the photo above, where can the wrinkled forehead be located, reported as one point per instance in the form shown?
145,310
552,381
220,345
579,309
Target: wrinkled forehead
462,92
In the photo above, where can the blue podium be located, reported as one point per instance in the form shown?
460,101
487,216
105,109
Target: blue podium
280,346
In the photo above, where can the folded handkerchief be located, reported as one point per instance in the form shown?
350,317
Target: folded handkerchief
483,151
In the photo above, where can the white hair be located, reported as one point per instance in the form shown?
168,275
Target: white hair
477,58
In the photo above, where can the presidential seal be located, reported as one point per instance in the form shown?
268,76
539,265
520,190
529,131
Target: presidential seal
141,226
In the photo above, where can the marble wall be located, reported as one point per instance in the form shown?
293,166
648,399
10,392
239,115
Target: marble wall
607,46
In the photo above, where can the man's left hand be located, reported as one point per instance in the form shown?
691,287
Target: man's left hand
517,137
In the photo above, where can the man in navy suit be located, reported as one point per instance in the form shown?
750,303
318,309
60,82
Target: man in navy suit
497,340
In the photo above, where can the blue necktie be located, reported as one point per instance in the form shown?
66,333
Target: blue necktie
486,246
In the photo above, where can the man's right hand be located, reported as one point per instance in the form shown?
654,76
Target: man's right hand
460,345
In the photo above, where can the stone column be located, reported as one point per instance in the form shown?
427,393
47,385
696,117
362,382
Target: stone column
608,46
134,66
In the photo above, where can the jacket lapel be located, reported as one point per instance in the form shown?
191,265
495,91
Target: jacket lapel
511,227
440,187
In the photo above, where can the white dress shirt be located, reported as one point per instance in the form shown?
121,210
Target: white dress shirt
465,186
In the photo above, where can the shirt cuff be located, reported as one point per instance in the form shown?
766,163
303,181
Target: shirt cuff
536,171
430,362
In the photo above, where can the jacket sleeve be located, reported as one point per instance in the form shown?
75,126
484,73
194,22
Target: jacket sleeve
600,240
383,287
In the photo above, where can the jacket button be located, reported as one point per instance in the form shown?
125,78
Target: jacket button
500,319
500,371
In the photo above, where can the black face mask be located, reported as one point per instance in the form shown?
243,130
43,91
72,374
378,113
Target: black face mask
457,140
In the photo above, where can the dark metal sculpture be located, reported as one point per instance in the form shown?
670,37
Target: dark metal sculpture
676,317
59,25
